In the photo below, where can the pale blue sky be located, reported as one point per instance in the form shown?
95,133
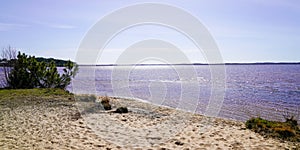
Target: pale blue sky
245,30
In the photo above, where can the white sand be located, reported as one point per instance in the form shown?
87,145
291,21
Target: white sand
57,125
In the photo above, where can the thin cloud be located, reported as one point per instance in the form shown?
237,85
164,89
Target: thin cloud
55,25
61,26
11,26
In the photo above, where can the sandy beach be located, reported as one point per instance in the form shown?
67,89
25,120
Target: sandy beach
57,123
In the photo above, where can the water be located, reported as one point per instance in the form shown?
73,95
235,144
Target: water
269,91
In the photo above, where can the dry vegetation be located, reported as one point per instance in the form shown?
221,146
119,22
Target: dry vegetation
288,130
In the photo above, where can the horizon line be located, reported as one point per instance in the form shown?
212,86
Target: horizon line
250,63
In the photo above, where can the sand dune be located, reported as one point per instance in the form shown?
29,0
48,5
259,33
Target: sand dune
56,124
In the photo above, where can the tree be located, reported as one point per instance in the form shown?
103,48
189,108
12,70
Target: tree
70,71
9,56
27,72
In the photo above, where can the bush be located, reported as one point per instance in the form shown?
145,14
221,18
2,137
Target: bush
285,132
28,73
291,121
288,130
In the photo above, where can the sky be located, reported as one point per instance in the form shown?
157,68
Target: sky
244,30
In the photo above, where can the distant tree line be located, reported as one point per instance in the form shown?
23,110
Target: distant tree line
58,62
23,71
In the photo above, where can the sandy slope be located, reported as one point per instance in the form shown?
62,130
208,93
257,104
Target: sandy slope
56,124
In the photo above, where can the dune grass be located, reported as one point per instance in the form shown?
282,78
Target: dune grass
7,94
13,98
288,130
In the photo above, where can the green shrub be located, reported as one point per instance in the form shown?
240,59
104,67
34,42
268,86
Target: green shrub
28,73
288,130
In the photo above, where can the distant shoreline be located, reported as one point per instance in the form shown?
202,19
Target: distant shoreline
198,64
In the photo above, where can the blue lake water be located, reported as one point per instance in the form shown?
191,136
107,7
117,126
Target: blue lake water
268,91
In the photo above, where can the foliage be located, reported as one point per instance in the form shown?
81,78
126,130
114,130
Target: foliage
14,98
28,73
8,62
36,92
288,130
58,62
